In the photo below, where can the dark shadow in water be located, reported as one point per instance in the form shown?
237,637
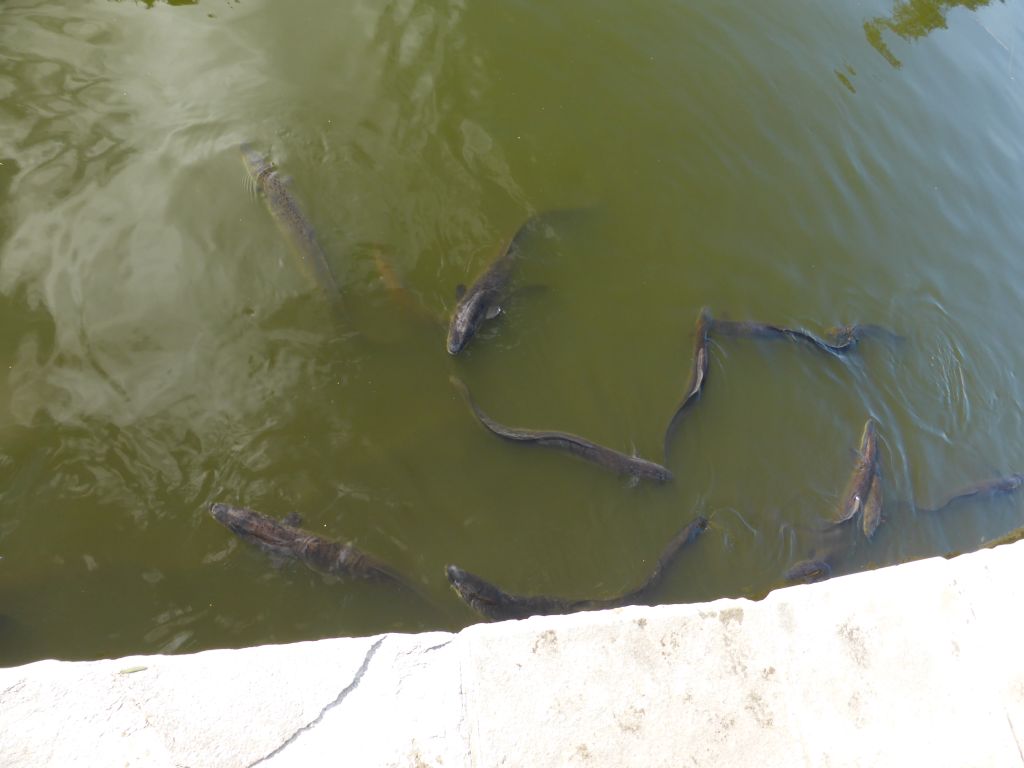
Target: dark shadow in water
913,20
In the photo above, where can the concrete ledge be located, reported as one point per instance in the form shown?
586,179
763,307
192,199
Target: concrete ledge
919,664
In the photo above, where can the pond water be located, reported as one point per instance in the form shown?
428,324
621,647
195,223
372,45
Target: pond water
779,161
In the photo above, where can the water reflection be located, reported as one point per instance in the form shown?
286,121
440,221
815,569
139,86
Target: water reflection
913,20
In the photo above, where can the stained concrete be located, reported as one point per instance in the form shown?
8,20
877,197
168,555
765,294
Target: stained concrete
918,664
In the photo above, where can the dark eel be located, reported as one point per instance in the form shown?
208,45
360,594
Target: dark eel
493,603
698,374
845,339
286,539
838,340
608,458
994,487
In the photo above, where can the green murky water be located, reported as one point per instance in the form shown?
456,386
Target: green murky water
778,161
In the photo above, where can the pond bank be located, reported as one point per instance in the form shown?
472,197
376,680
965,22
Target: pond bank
913,664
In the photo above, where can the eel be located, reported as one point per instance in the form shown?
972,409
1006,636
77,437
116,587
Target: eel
494,603
608,458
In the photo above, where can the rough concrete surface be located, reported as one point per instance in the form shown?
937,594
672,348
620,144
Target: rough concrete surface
918,664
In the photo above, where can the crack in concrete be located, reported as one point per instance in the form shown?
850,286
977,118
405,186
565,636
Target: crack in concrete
16,687
416,664
327,707
438,646
1016,741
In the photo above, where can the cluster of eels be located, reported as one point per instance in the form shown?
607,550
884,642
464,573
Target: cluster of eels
861,501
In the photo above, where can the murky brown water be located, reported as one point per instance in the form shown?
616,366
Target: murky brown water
801,165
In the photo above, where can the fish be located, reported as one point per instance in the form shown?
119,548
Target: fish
483,299
872,516
831,545
408,301
698,374
286,539
808,571
993,487
292,222
608,458
860,479
493,603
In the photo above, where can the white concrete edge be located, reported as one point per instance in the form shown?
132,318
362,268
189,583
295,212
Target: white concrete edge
913,664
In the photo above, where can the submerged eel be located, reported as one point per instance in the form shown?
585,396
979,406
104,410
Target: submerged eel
493,603
608,458
286,539
993,487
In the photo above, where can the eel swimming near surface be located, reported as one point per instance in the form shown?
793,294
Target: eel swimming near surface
996,486
698,374
292,222
286,539
493,603
837,341
844,341
608,458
